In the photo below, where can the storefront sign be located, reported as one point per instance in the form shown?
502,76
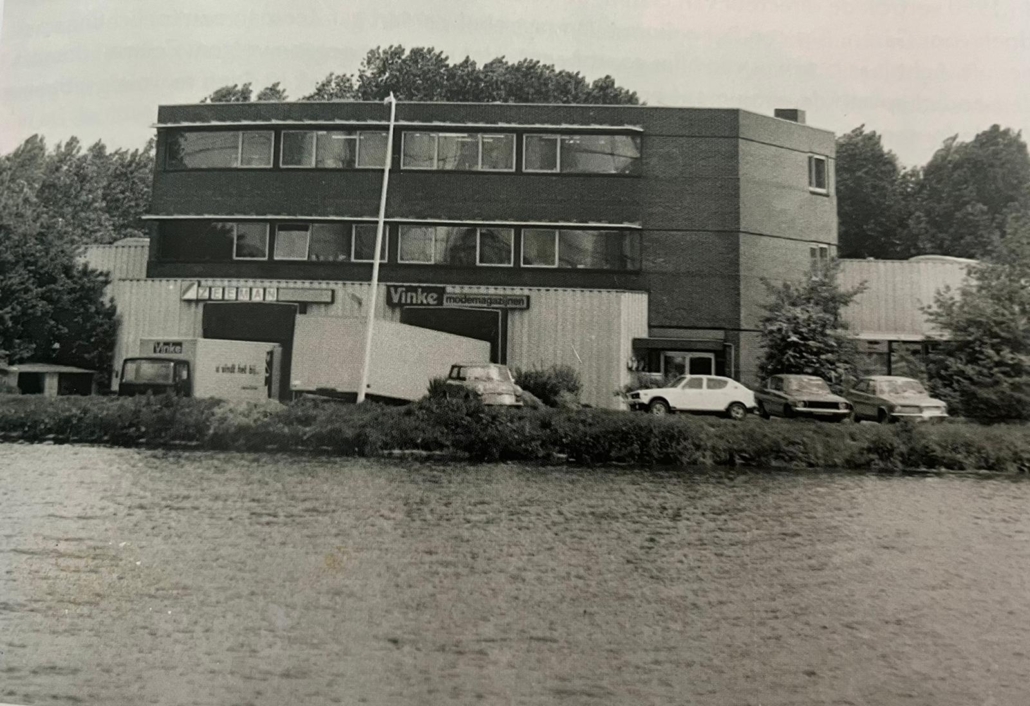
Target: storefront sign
168,347
195,291
401,295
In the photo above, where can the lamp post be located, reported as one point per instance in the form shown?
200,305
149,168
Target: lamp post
371,314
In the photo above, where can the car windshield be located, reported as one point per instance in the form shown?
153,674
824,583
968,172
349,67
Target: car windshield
902,388
148,371
678,381
489,374
806,385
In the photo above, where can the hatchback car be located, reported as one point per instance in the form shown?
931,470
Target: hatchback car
888,398
801,396
696,393
493,383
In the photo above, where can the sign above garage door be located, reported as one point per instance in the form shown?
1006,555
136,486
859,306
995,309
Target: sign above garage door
401,295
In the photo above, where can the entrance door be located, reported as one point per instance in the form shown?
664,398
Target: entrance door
265,322
675,363
481,324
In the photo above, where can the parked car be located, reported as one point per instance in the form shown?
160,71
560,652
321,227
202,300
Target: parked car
801,396
696,393
888,398
493,383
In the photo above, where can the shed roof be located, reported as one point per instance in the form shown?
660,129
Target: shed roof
43,368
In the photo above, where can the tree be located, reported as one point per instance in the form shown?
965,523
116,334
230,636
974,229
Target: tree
967,192
272,93
425,74
230,94
873,197
983,367
803,330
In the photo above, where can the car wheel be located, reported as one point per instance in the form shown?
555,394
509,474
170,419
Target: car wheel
658,408
736,411
762,411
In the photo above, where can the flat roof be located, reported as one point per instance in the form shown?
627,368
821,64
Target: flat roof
43,368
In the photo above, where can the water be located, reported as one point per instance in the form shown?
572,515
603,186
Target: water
133,577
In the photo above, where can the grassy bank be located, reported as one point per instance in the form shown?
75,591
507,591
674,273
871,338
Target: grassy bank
466,429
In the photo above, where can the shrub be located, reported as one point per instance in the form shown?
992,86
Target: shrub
437,388
555,386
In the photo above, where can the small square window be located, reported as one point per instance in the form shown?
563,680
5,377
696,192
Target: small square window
497,153
372,150
418,150
416,244
251,241
541,153
459,152
256,149
365,243
335,150
329,243
496,247
539,248
817,174
298,149
291,242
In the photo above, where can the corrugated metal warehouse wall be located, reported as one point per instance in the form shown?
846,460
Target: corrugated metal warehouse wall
125,259
590,330
891,306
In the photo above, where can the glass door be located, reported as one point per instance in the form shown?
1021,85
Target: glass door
676,363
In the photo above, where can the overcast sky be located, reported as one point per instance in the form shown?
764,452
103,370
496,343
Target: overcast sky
914,70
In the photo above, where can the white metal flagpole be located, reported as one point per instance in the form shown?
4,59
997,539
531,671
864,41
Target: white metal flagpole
371,314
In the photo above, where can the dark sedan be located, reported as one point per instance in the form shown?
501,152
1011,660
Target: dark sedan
801,396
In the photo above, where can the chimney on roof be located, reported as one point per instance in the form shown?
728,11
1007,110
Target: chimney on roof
795,115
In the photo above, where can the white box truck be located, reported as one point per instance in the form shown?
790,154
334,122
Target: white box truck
327,354
203,367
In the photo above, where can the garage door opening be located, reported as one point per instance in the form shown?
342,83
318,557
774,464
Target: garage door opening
269,323
488,325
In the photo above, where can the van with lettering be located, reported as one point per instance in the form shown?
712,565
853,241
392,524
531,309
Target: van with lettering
202,367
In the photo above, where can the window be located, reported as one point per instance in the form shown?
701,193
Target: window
328,243
438,245
540,153
818,180
599,249
195,241
819,256
291,242
457,151
496,247
217,149
693,383
539,248
582,154
716,384
251,241
364,243
321,149
371,150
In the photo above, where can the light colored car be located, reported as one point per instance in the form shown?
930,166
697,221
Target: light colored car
696,393
888,398
801,396
493,383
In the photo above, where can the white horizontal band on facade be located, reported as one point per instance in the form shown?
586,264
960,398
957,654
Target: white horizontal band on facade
401,123
373,219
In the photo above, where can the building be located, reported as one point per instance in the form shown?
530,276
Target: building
48,379
609,238
888,319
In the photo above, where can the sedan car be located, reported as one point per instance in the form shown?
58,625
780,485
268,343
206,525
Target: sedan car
888,398
493,383
801,396
697,393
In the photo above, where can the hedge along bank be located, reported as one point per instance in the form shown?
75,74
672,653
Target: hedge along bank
466,429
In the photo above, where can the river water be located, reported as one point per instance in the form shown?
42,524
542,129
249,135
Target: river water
142,577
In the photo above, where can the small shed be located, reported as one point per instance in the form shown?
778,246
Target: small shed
49,379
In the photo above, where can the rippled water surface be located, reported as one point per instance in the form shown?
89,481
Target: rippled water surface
134,577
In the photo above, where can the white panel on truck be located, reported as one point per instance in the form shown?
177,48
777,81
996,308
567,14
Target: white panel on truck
327,354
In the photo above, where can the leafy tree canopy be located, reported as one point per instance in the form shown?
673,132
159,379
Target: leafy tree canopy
984,368
425,74
803,331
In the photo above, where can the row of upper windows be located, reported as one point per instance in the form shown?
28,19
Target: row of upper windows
366,149
462,246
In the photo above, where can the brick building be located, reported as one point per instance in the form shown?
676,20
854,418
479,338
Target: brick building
609,238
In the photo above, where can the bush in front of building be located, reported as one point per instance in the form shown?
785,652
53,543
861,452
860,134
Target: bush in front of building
555,386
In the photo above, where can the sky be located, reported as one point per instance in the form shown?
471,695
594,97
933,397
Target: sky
916,71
